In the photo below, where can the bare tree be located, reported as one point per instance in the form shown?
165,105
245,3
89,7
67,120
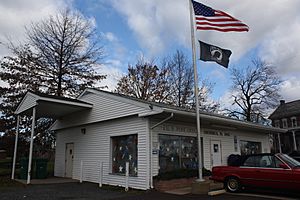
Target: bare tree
180,78
144,81
207,104
254,90
171,84
61,53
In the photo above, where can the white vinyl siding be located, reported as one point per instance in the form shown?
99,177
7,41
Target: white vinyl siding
95,147
104,108
28,102
227,141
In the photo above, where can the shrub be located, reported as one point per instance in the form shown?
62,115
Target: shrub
181,173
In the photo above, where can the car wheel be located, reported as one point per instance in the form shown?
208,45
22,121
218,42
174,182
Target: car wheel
232,184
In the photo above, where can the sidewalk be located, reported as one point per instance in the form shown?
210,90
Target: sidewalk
187,190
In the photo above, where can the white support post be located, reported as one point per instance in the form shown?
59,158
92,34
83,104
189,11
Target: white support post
31,145
15,150
127,176
294,140
81,171
151,158
100,174
279,142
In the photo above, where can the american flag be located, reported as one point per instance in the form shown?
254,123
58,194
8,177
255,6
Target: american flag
210,19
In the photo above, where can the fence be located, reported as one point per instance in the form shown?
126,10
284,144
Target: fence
100,166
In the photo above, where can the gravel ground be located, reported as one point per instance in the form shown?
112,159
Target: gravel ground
90,191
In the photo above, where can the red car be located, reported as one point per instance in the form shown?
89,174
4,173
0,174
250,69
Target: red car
278,171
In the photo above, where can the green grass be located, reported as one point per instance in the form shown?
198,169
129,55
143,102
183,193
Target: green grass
5,167
6,160
4,172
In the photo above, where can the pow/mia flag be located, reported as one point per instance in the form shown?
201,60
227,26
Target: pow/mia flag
213,53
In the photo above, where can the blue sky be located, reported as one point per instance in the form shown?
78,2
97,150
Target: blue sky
157,28
111,21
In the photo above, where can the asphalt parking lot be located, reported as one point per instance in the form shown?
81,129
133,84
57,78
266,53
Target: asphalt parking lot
90,191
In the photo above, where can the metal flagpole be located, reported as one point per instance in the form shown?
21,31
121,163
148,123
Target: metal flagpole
196,91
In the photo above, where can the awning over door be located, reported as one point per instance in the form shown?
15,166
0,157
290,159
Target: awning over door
49,105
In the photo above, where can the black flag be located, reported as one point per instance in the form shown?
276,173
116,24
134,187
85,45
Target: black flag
210,52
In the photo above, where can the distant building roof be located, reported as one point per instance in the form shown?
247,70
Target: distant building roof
286,110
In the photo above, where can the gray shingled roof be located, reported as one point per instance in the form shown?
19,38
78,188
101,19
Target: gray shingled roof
58,97
289,109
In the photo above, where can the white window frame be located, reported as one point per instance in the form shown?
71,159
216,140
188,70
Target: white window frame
284,123
292,120
277,123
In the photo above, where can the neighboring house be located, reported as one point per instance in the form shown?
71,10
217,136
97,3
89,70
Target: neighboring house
287,116
112,129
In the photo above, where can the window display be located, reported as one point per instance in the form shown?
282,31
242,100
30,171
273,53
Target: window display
124,149
177,152
248,147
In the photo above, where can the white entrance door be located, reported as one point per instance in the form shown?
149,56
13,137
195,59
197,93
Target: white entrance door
216,153
69,160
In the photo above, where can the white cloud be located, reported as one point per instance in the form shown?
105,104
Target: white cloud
15,15
282,49
226,100
110,37
158,24
112,68
155,23
290,89
274,30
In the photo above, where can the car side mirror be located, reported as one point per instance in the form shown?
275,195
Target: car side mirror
283,166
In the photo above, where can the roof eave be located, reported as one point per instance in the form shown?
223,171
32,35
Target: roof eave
229,120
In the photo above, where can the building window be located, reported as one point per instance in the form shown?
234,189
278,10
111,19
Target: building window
284,123
277,123
294,122
177,152
249,147
235,141
124,149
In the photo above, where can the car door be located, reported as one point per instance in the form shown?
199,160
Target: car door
290,177
250,173
266,171
271,174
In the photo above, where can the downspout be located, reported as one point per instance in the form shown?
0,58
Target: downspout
151,145
163,121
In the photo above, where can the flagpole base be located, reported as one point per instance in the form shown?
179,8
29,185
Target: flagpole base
200,180
201,186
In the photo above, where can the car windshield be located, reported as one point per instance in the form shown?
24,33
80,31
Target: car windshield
290,161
